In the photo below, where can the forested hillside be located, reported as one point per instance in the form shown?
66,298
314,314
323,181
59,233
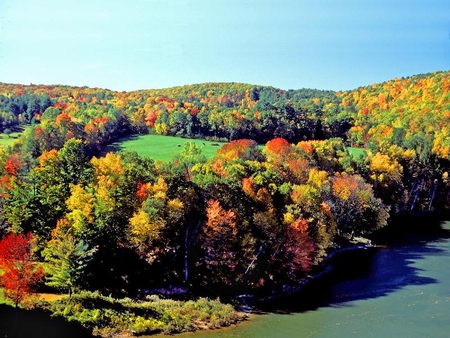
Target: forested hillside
262,214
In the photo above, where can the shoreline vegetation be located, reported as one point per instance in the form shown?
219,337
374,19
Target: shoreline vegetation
300,175
106,316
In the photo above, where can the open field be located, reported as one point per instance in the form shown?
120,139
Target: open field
6,140
160,147
357,152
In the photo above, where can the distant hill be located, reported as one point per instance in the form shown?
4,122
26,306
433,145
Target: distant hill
409,112
413,113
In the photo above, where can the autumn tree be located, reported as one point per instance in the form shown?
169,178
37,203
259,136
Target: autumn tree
218,241
298,249
386,175
20,272
244,149
147,222
278,150
357,210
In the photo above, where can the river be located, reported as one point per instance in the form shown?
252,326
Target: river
404,292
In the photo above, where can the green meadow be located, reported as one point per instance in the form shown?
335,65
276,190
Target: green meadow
160,147
357,152
8,140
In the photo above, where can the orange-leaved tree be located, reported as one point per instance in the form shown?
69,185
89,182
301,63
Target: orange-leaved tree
19,272
219,242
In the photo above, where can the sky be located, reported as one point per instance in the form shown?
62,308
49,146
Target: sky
290,44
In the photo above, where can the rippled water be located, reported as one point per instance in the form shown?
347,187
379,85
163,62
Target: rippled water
404,293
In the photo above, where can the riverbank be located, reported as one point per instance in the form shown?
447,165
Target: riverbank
351,260
97,315
110,317
401,292
307,293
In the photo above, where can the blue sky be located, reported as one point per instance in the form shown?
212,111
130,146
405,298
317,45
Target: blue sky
140,44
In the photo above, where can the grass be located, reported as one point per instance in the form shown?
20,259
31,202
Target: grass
160,147
357,152
6,140
48,297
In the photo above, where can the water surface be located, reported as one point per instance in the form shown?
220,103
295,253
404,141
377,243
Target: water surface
405,292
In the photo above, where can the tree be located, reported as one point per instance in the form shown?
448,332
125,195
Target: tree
50,114
187,158
74,162
386,175
219,243
244,149
20,272
7,132
67,258
12,165
353,203
277,150
298,248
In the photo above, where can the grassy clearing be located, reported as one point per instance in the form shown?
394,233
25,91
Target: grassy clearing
160,147
47,297
357,152
6,140
50,297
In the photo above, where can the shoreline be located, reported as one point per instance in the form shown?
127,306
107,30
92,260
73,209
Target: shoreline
248,306
324,269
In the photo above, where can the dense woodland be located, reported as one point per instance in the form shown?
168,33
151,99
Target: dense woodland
261,215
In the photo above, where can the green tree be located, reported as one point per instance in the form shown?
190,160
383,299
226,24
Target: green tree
75,166
66,259
50,114
187,158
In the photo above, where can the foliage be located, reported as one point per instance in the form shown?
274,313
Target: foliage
107,315
301,172
66,259
19,272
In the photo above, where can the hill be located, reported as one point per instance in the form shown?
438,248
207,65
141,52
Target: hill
413,113
410,112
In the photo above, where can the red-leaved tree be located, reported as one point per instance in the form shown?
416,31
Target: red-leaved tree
18,272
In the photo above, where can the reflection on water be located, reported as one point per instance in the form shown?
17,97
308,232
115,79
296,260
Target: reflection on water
403,293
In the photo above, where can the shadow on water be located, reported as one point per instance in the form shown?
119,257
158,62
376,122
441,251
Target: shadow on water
368,273
36,324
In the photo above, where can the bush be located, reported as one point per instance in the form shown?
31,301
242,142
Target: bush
106,315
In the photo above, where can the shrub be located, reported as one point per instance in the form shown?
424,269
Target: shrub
106,316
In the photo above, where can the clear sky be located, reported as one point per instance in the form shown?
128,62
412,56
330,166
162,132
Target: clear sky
290,44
